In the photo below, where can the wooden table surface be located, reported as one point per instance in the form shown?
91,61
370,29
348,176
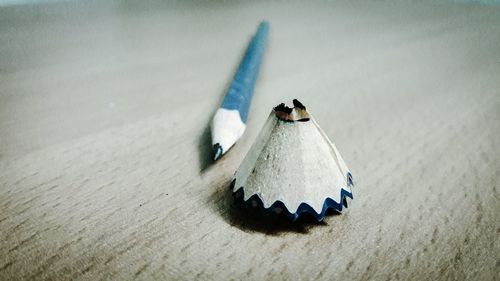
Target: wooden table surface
105,145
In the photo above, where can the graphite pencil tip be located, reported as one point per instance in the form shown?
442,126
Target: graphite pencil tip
218,151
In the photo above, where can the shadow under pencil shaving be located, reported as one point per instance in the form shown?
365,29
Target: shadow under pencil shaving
252,220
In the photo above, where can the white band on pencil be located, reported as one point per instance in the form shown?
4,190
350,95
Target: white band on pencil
227,128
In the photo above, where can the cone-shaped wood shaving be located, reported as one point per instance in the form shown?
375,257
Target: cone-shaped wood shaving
293,167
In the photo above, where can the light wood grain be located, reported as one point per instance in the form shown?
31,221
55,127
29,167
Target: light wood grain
104,144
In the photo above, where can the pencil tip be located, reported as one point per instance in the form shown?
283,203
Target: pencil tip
218,151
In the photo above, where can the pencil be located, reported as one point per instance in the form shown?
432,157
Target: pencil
229,121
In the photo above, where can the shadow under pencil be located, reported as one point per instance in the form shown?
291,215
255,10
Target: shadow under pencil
205,148
205,151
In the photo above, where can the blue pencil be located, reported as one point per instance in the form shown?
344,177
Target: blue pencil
229,121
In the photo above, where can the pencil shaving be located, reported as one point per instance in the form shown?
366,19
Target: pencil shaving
293,167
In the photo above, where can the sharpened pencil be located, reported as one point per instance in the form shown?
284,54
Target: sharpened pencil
229,121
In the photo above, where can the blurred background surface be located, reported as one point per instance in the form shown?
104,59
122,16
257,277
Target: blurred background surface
105,147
